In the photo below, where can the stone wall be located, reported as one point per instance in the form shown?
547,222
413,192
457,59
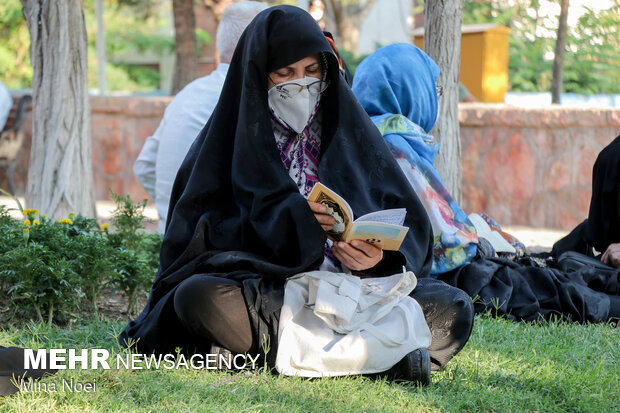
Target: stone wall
119,127
532,166
521,166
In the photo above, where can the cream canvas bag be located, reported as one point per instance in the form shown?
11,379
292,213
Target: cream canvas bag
334,324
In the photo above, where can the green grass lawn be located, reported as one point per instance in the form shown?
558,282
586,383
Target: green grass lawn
505,367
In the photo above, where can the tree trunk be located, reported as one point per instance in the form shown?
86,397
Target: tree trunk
60,176
442,42
558,60
185,44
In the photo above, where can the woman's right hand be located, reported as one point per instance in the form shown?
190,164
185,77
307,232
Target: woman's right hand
320,213
612,255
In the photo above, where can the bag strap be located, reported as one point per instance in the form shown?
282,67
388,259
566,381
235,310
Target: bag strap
388,341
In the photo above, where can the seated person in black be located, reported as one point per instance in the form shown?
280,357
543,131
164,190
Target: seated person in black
604,218
601,231
239,223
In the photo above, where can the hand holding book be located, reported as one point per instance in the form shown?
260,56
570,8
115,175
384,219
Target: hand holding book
357,255
321,214
383,229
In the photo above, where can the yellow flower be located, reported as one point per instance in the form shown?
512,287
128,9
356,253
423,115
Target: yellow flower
27,222
104,226
66,221
35,222
30,211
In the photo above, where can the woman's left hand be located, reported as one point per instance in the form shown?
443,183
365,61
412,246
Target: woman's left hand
357,255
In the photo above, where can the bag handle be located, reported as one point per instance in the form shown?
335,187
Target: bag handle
381,336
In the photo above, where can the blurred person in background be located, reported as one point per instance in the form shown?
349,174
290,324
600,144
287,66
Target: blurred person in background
6,102
161,156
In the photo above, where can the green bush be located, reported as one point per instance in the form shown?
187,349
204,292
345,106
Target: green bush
47,267
350,60
138,253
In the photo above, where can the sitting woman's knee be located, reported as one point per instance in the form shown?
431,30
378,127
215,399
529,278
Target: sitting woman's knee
189,298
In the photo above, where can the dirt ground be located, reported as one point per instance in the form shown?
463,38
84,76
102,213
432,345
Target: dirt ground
112,305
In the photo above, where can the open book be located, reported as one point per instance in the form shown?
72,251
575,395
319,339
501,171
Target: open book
384,228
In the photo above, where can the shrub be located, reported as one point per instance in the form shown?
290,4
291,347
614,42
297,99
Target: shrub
138,252
40,278
47,266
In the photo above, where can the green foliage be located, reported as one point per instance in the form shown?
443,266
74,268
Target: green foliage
138,253
41,278
124,29
591,61
15,67
476,11
127,218
350,60
46,267
202,39
143,8
528,70
131,27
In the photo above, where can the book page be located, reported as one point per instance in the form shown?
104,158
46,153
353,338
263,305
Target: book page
337,207
394,216
384,236
484,231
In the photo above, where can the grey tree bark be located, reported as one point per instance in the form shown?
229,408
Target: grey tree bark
442,42
558,60
60,176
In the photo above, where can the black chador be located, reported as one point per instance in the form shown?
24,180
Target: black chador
235,213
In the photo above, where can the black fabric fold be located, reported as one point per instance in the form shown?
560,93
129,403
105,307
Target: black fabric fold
525,291
235,212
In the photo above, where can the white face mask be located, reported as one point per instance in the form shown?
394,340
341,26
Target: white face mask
294,101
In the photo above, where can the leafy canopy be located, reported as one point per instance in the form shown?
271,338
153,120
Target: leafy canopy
591,60
132,27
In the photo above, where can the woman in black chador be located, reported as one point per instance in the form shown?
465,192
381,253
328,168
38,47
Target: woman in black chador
239,222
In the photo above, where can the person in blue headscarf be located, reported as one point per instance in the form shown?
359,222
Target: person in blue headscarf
396,85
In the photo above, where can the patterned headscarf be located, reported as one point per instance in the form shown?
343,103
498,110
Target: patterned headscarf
300,152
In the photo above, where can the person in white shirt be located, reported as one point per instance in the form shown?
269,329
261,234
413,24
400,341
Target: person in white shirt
162,154
6,102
